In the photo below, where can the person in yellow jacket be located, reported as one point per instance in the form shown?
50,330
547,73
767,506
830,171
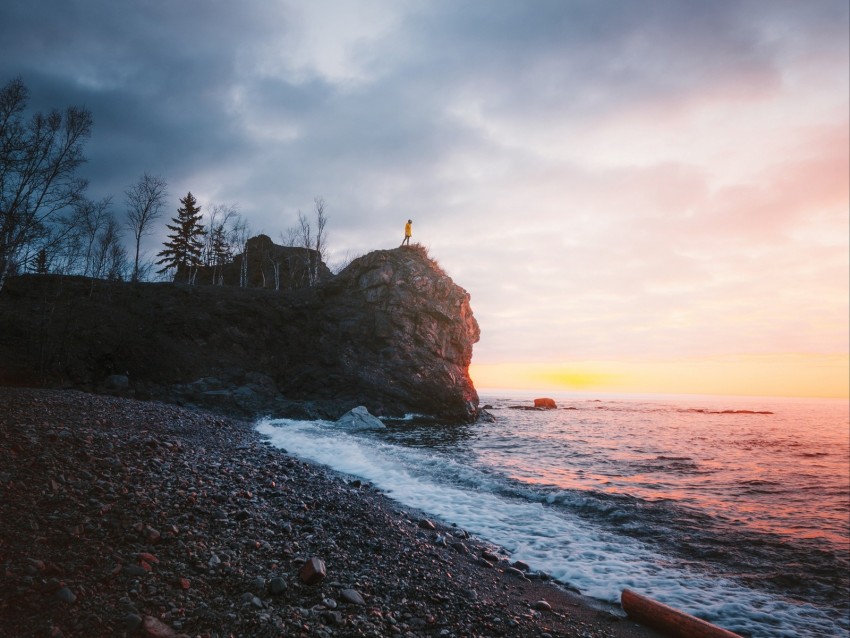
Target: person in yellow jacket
408,232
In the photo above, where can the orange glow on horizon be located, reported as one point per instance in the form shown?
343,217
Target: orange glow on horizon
781,375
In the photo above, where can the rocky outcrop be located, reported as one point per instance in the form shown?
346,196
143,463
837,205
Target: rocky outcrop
392,333
398,326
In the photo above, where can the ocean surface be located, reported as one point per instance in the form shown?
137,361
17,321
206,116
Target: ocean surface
736,510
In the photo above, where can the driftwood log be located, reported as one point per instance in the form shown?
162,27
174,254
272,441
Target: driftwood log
667,620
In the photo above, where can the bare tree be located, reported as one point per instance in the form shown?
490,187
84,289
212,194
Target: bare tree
321,236
342,263
305,230
64,245
238,238
311,242
220,253
276,268
217,249
38,163
109,257
290,238
89,220
305,234
69,244
145,200
275,258
57,248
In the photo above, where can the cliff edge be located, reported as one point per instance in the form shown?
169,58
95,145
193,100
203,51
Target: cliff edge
391,332
397,326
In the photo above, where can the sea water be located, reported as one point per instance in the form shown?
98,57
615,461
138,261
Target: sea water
736,510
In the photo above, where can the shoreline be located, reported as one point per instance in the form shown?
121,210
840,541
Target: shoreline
121,517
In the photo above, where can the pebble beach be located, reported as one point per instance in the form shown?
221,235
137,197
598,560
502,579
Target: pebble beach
129,518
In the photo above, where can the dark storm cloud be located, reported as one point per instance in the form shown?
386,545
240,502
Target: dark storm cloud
160,77
590,60
154,75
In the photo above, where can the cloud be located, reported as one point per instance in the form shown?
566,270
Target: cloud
656,178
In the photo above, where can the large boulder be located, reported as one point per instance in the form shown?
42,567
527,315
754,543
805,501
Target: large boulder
545,403
359,419
401,331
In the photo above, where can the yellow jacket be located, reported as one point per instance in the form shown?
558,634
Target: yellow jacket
407,230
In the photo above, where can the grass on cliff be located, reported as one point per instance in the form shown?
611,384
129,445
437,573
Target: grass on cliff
423,251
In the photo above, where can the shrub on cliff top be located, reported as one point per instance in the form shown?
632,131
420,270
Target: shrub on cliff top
422,251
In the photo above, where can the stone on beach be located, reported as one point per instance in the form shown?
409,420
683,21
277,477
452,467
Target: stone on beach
135,571
542,605
158,629
313,571
132,622
277,586
175,470
359,418
513,571
352,597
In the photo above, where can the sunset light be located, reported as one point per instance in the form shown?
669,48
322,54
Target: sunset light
782,375
425,318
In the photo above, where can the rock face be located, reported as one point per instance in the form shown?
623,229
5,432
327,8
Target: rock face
391,332
401,327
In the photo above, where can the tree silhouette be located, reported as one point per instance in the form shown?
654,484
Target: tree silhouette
39,158
218,250
183,252
145,199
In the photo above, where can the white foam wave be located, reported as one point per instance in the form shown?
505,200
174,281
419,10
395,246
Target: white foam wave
574,551
409,416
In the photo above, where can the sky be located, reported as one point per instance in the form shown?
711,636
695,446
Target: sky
639,195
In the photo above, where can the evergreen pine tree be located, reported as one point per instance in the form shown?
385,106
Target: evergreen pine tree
183,250
41,262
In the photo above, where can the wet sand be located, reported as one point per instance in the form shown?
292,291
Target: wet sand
130,518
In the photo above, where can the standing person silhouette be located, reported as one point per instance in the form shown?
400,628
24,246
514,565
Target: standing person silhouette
407,232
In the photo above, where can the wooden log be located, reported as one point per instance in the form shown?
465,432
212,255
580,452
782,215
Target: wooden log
667,620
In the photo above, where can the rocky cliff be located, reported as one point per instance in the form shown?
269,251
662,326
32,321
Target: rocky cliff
391,332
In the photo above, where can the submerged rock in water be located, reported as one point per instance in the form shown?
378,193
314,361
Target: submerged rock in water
359,419
545,402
